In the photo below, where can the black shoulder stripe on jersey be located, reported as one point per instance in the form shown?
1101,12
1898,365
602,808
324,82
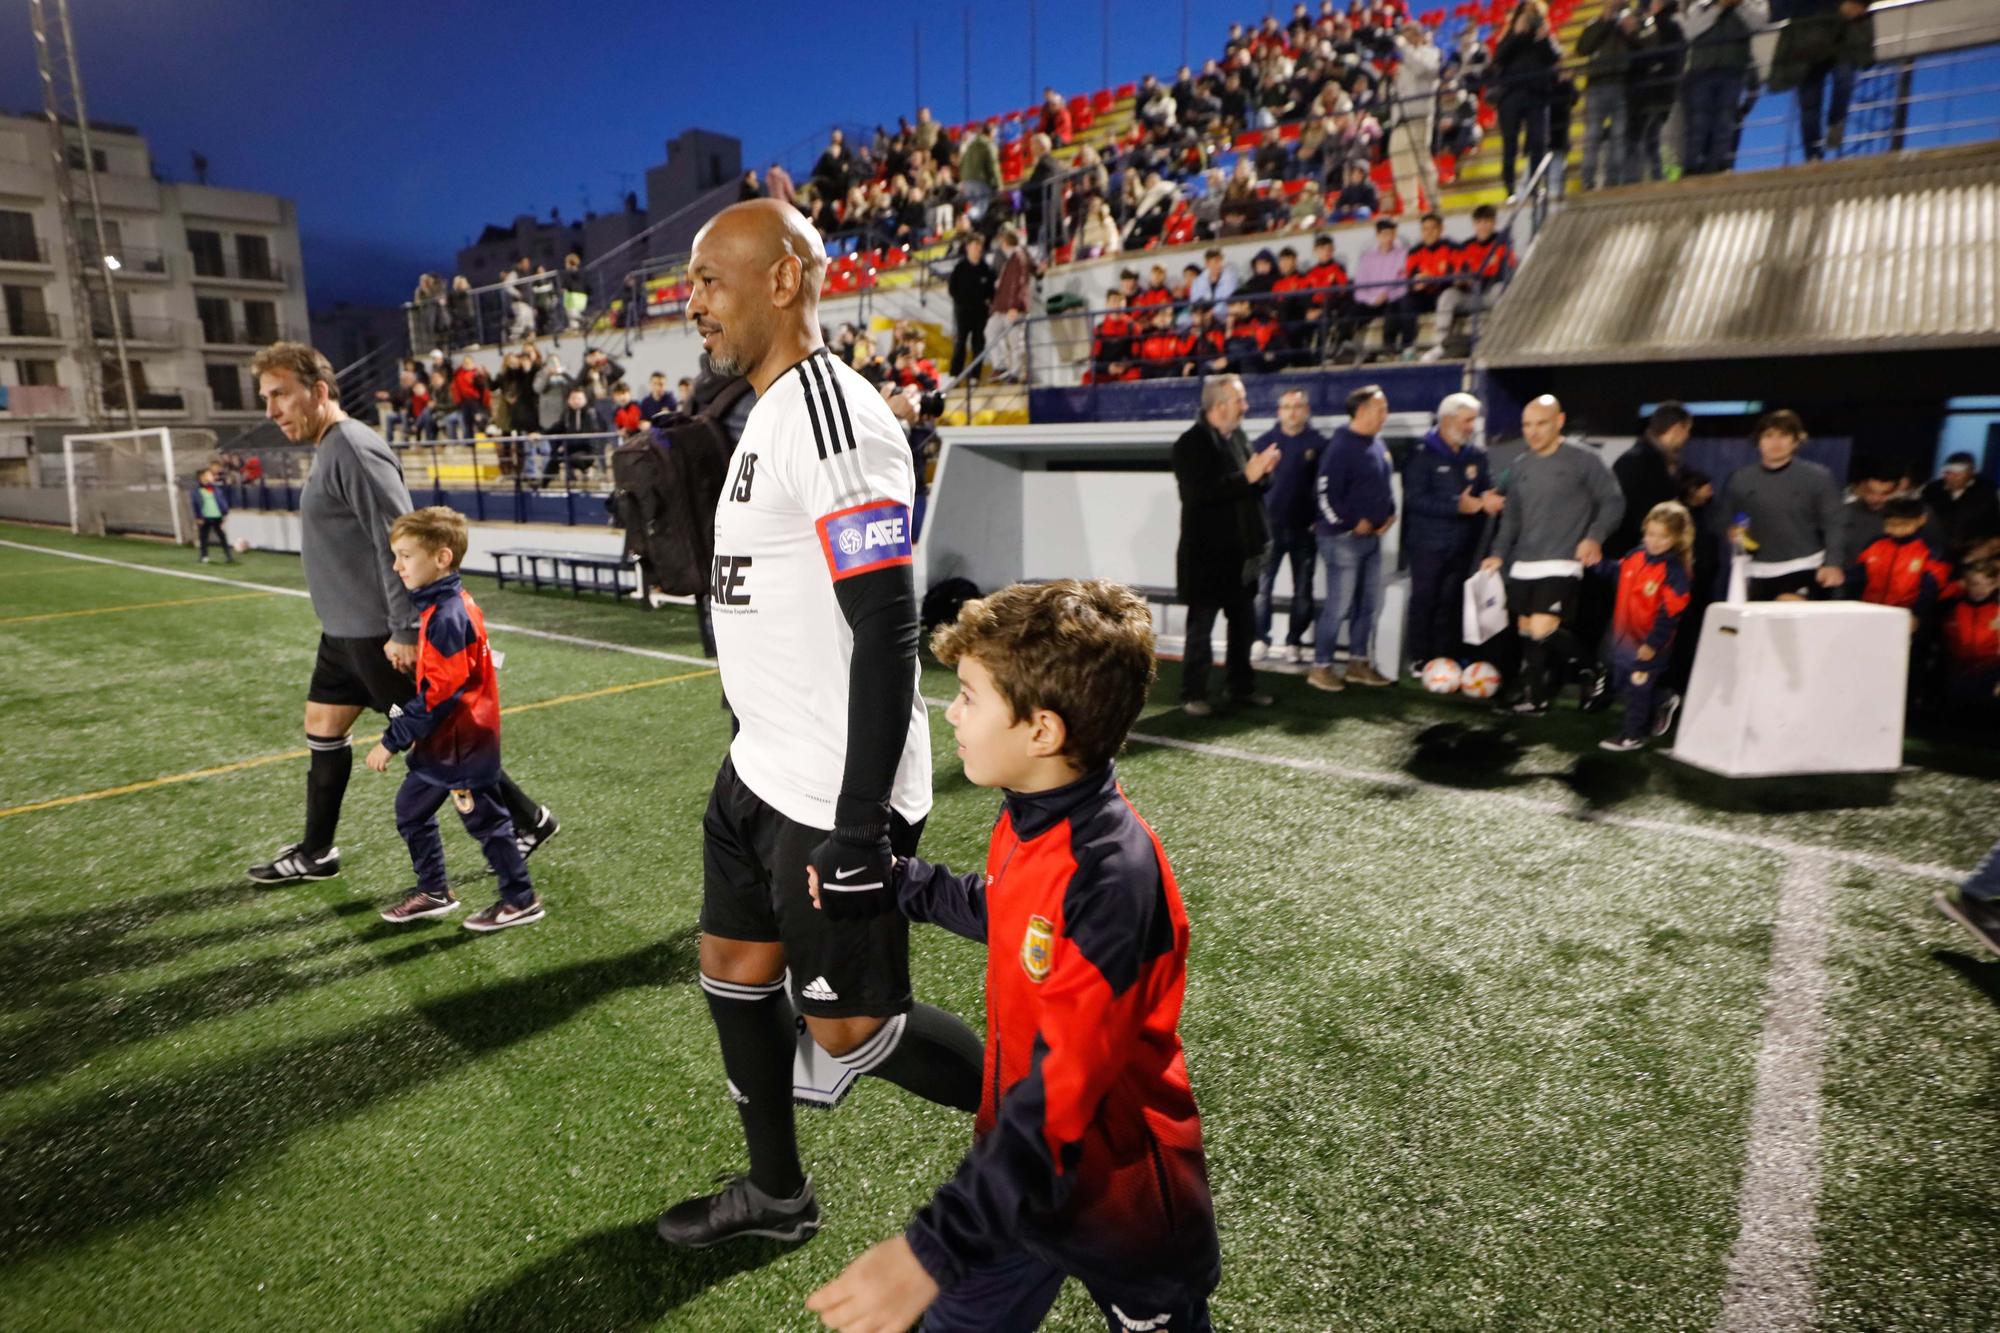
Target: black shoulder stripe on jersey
840,396
818,379
806,388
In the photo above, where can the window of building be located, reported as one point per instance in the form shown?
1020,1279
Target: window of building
225,385
253,258
216,325
41,374
97,159
100,315
25,314
17,237
260,321
206,248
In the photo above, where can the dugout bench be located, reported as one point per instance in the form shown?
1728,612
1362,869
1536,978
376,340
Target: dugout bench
579,571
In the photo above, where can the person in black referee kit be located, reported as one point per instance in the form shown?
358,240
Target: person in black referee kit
816,635
368,627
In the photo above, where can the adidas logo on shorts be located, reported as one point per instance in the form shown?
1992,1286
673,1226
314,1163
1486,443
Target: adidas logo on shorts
817,989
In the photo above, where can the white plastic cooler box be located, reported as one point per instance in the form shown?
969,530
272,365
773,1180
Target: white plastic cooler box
1795,688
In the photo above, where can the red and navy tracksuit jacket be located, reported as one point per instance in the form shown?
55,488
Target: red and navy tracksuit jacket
1652,594
1906,573
452,727
1972,635
1088,1151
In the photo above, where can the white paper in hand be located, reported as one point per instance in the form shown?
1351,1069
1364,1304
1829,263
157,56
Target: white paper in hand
1485,606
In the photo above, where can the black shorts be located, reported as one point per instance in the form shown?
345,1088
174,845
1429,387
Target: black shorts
1802,582
753,887
355,672
1556,596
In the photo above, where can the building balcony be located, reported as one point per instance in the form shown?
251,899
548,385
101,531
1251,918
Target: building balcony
27,401
227,268
30,326
142,330
131,262
19,253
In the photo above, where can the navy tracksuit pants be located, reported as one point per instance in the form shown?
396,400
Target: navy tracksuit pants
487,820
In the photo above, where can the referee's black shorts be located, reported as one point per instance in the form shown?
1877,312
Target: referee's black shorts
357,673
1556,596
753,888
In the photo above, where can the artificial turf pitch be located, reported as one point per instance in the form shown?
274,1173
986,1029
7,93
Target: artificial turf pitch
1473,1014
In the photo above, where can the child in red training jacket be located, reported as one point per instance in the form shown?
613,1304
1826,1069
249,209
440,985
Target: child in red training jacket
1653,583
451,729
1971,630
1087,1161
1901,567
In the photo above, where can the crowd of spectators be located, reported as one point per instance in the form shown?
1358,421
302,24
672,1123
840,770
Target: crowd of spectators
1608,571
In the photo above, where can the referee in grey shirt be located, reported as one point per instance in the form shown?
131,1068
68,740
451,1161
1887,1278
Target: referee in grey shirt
368,628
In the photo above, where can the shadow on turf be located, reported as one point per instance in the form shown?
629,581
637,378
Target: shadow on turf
114,1159
621,1277
1983,973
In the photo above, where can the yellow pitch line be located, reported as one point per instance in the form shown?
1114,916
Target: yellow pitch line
262,760
134,606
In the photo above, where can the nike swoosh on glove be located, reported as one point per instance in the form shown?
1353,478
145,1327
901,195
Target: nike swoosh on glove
856,873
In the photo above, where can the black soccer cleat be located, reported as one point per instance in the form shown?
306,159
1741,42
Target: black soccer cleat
1980,918
1527,706
1622,744
740,1210
293,864
1594,693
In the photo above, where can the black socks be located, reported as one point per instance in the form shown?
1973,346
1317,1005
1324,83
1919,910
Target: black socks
759,1035
326,782
928,1052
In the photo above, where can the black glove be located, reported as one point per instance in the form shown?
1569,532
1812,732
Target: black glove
856,872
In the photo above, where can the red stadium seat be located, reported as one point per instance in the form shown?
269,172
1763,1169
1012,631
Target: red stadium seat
1128,90
1248,139
1102,102
1292,188
1078,103
1290,133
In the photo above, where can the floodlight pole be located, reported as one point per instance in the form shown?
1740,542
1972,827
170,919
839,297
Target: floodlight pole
967,29
104,269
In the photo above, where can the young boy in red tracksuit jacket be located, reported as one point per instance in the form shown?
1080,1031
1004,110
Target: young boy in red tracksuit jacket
1088,1159
1653,585
1970,627
451,729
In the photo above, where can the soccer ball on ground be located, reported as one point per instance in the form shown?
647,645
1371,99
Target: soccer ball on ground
1441,675
1481,680
242,545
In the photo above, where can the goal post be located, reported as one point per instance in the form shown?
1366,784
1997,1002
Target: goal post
135,481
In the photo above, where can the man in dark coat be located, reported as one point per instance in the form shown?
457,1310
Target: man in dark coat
973,283
1222,541
1649,473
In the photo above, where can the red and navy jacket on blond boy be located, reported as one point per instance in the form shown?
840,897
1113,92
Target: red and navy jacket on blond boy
1088,1151
1971,635
452,727
1652,594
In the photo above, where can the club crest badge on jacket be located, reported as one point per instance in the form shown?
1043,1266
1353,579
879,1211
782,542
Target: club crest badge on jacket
1036,945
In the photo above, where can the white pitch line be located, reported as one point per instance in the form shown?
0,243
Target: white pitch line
1776,846
655,653
1771,1266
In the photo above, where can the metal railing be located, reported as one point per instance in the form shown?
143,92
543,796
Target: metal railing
24,250
528,478
30,324
139,328
132,260
230,267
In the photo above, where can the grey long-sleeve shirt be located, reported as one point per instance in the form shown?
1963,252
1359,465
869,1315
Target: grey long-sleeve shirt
1554,501
354,492
1794,512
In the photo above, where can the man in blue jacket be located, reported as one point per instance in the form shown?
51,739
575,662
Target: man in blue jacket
1448,492
1288,505
1356,505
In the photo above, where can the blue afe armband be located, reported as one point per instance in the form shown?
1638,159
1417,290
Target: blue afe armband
866,537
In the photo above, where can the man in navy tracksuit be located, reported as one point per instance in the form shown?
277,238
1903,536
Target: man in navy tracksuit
1288,504
1356,506
1448,493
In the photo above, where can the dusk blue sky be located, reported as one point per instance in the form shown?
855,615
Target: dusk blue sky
401,130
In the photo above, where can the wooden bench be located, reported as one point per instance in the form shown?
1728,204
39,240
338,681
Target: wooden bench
579,571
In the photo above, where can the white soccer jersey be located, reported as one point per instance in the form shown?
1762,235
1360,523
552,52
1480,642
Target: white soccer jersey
820,489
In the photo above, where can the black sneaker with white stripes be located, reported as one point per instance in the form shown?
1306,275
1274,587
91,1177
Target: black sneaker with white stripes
546,827
293,864
741,1209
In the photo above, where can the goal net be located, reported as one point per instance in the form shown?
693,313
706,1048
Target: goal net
135,480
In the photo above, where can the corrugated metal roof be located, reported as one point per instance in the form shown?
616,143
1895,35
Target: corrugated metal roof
1877,253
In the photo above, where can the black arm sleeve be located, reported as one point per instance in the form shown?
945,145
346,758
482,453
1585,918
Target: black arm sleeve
881,609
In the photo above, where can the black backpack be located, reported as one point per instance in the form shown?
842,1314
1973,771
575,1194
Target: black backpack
666,483
942,602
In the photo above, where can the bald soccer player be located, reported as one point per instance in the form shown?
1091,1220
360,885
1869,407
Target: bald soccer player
1562,503
816,633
